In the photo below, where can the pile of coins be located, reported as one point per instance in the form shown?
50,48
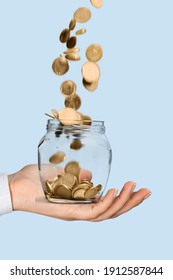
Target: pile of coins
69,185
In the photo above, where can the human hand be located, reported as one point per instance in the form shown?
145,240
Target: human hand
27,195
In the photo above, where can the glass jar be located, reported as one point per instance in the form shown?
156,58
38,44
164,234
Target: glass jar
74,162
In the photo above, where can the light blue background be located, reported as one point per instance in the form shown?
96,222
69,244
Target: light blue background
134,99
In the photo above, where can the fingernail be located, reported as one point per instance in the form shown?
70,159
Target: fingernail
148,194
115,193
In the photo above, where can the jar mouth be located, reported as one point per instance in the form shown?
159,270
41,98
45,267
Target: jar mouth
65,122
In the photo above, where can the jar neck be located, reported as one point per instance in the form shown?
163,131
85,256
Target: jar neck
95,127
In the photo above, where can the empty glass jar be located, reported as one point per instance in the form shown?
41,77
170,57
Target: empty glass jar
74,162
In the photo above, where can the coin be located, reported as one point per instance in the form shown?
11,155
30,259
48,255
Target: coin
76,144
55,113
94,52
90,86
48,186
69,180
86,120
72,24
90,72
71,43
97,3
98,187
73,168
81,31
72,50
90,193
69,116
72,56
57,158
63,192
82,15
60,66
79,194
64,36
68,88
73,101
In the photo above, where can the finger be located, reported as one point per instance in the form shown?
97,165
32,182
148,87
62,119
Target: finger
118,202
135,199
85,174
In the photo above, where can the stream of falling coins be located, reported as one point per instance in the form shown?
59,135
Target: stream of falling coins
69,185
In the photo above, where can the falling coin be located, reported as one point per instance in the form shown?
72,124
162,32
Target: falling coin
60,66
76,145
90,72
72,56
71,43
94,52
68,88
69,116
81,31
73,101
57,158
86,120
72,24
82,15
90,86
64,36
72,50
55,113
73,168
97,3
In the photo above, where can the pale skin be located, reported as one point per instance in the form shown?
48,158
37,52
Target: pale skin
27,195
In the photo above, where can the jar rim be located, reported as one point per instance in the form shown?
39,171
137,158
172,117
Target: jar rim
76,122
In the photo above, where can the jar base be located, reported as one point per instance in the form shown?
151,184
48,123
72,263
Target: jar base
70,201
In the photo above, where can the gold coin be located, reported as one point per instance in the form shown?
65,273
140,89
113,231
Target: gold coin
72,56
63,192
69,180
86,182
97,3
48,186
91,193
69,116
82,15
90,72
68,88
60,66
64,36
73,168
72,50
94,52
98,188
57,158
90,86
76,145
71,43
81,31
55,113
73,101
72,24
79,194
86,120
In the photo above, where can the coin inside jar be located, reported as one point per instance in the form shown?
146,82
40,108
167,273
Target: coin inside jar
60,66
57,157
94,52
82,15
76,145
73,168
68,88
69,116
90,72
97,3
73,101
64,36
